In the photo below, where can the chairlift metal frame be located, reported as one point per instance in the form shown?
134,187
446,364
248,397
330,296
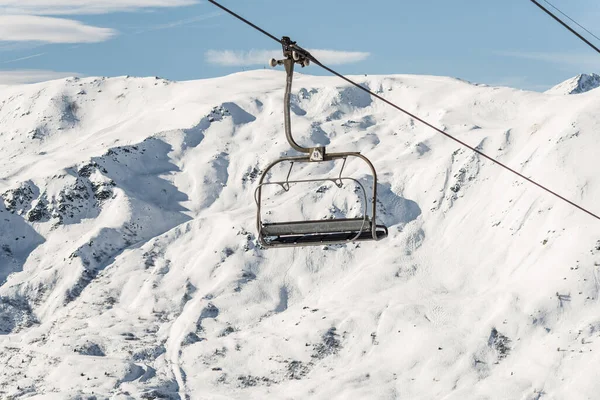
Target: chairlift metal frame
314,232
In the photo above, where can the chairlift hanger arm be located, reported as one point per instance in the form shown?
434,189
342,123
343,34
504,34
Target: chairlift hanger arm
294,54
306,233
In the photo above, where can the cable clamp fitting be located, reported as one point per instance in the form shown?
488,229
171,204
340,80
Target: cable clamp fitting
291,51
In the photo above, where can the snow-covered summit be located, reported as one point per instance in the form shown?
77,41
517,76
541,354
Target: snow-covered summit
580,84
129,267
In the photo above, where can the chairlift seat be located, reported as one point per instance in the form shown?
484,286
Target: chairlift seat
318,232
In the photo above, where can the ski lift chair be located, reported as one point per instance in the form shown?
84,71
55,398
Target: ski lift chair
314,232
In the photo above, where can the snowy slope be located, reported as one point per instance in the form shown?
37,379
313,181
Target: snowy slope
580,84
129,267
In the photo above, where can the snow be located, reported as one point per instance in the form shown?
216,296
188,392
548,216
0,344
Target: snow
580,84
129,267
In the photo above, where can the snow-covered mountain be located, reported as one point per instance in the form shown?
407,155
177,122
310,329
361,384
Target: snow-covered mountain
129,267
580,84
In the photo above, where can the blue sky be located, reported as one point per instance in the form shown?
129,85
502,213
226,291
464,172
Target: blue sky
508,42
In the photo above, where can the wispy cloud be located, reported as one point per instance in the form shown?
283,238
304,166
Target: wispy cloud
22,58
70,7
18,46
31,76
18,28
232,58
520,82
175,24
583,61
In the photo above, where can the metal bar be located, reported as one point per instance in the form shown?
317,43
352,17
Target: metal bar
329,157
321,239
332,180
341,171
286,185
374,198
324,226
364,219
289,70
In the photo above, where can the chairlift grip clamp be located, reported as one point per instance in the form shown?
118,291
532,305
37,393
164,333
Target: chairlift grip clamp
291,51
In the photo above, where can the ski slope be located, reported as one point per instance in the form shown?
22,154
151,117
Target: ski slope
129,267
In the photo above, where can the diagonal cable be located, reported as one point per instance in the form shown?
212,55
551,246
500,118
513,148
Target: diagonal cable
314,60
563,23
245,21
571,19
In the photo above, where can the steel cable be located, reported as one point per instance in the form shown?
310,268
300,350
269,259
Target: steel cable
560,21
317,62
571,19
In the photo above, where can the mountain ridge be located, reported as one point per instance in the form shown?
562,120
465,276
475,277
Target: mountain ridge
137,273
581,83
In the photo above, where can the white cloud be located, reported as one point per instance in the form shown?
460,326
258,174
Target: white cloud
31,76
335,57
70,7
20,46
231,58
582,61
50,30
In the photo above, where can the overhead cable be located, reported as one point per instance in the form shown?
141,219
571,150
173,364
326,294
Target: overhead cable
317,62
571,19
560,21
